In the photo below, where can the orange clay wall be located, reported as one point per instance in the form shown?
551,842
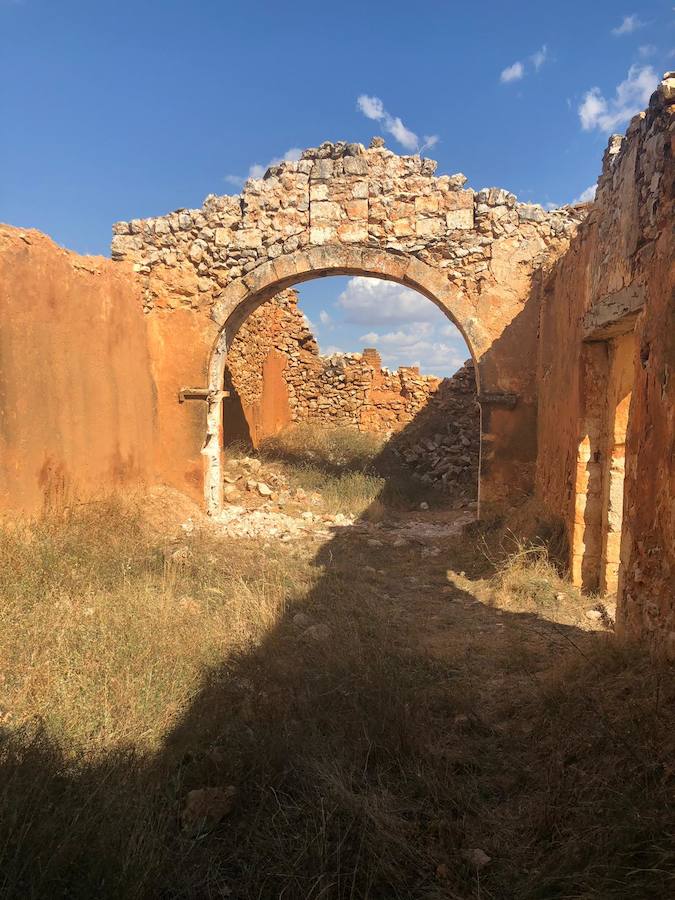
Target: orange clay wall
612,294
76,396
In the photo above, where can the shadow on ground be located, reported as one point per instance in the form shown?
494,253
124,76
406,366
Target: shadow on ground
395,734
390,733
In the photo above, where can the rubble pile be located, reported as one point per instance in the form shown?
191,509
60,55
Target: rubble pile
442,444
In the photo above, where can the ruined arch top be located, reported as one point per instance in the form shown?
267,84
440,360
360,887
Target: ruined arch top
342,208
233,305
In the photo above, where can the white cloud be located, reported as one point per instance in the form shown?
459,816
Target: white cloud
646,50
418,345
373,108
539,57
325,319
257,170
627,26
400,338
407,328
512,73
371,301
331,350
403,135
631,96
586,196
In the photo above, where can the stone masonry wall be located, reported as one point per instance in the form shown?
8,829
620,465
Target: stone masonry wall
342,193
345,209
350,389
614,292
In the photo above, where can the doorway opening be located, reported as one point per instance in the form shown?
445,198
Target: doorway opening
608,373
364,354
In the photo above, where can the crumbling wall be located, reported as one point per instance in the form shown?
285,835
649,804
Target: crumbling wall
613,290
279,376
76,395
441,445
345,209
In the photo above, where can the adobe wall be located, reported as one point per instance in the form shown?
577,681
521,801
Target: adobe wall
612,294
279,378
76,396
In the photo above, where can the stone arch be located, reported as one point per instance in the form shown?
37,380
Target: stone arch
241,298
341,209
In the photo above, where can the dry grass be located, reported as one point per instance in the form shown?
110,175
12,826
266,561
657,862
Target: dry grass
335,450
344,466
366,766
113,632
527,580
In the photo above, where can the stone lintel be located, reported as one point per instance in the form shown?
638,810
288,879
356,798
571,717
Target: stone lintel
615,314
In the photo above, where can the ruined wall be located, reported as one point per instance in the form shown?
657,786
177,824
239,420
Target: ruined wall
279,377
441,445
611,294
76,396
345,209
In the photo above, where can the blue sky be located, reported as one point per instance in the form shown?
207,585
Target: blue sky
129,109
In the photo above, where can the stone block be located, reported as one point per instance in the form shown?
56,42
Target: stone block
403,228
429,228
319,234
357,209
428,205
459,219
325,211
247,238
318,191
355,165
322,170
352,232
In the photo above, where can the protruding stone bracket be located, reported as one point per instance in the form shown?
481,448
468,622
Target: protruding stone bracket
498,398
201,394
615,314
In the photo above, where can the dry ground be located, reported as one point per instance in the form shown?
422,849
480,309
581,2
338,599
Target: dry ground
391,710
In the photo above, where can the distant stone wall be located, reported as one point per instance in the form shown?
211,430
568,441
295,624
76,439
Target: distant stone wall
350,389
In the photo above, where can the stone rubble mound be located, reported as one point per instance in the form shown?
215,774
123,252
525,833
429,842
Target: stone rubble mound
441,445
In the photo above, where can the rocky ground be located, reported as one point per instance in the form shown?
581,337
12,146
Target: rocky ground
261,502
441,445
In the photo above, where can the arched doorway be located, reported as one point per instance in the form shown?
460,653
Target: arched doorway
234,307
